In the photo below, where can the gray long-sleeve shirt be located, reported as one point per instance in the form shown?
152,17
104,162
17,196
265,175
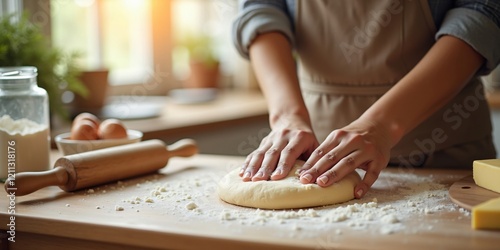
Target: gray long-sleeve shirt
477,22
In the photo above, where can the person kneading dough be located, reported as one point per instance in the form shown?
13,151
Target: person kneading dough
368,84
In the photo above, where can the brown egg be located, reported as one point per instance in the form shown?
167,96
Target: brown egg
84,130
112,129
88,117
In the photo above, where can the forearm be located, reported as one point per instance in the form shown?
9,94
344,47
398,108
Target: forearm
433,82
274,66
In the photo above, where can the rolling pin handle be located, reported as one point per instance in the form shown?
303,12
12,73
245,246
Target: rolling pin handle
183,148
29,182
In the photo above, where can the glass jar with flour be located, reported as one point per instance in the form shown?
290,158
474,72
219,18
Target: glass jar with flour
24,122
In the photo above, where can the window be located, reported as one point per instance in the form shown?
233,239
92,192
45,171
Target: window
112,34
141,41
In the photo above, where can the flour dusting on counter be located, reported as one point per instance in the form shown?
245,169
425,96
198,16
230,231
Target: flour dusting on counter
394,200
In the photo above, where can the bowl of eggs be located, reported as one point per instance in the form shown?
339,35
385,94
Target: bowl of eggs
90,133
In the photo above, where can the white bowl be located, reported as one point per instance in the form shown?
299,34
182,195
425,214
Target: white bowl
68,147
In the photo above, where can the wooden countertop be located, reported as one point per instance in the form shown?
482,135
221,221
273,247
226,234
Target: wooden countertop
230,107
185,213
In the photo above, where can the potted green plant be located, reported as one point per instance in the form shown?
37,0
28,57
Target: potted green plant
23,44
203,62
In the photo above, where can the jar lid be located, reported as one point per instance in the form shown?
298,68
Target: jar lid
11,75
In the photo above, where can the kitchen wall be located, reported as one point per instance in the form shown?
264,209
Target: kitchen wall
495,116
492,83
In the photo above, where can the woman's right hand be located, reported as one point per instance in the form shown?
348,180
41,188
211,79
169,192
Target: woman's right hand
291,138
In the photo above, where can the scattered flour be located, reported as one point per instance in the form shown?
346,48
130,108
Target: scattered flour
395,200
389,219
191,206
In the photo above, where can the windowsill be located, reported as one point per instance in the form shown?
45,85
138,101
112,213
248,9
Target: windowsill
230,108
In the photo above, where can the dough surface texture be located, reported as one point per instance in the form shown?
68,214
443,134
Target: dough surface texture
287,193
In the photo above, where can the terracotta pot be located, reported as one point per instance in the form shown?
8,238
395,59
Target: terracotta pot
202,75
96,82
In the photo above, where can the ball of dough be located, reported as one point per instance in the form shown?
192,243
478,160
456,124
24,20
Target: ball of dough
286,193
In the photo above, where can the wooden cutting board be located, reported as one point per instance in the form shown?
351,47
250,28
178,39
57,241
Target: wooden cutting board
467,194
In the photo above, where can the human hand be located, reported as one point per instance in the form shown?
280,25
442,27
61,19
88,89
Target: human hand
279,150
361,145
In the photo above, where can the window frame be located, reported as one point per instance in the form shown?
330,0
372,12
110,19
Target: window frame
160,80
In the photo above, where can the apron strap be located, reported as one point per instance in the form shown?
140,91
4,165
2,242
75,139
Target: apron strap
340,89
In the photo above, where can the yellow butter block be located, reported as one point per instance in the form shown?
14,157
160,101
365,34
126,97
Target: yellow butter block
486,174
486,215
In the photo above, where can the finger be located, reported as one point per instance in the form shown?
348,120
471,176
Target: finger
326,162
346,155
312,160
283,168
326,146
245,164
370,177
254,157
288,157
254,164
268,164
313,166
345,166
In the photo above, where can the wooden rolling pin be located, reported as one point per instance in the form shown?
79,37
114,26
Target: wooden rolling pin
74,172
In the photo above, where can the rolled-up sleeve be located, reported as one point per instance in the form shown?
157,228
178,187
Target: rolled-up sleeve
258,17
478,24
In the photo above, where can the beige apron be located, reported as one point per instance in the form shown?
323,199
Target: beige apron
352,52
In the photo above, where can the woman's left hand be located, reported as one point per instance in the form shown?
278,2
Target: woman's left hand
361,145
366,143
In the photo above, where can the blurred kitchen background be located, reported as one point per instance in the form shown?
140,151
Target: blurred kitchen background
152,49
146,48
492,83
135,39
